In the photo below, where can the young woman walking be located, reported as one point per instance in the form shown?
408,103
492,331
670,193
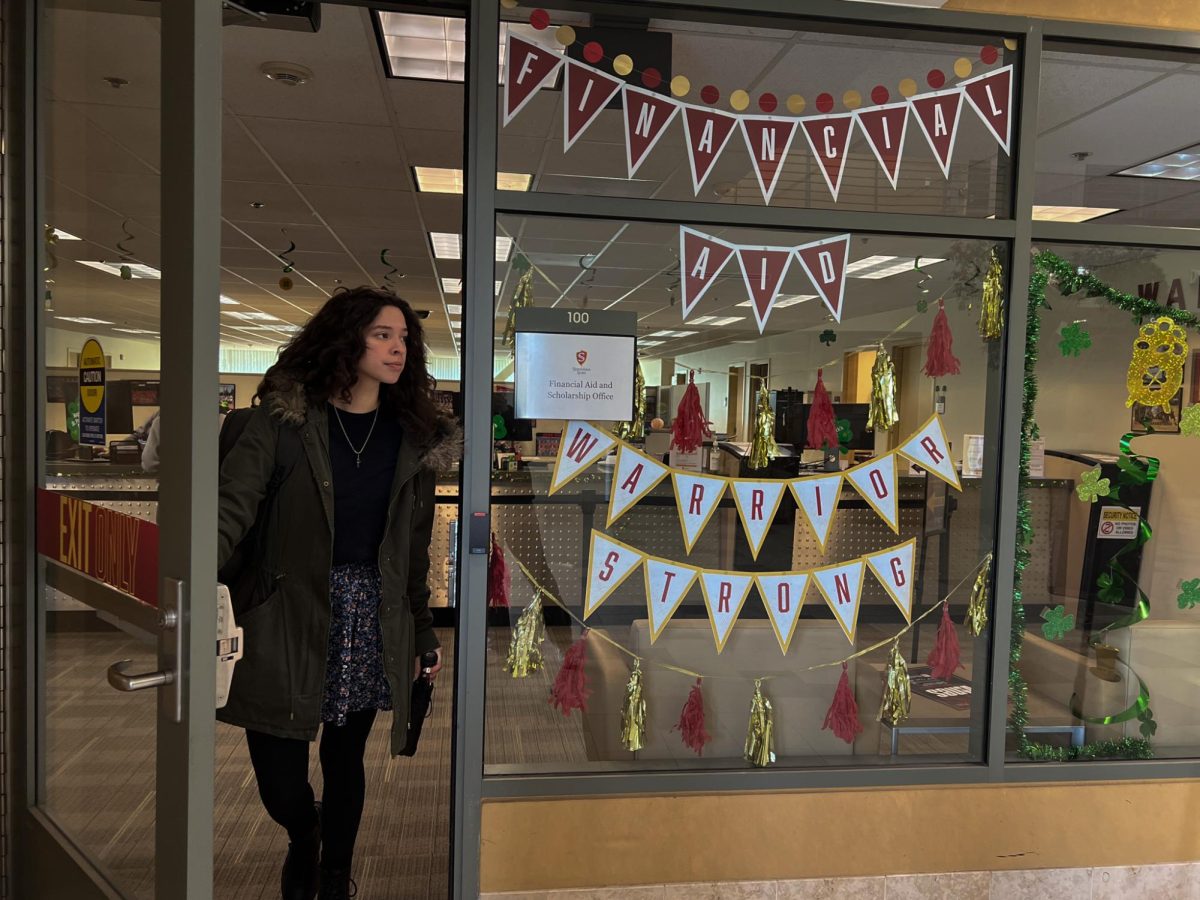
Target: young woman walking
343,445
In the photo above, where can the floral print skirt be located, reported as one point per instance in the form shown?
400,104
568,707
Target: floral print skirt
354,673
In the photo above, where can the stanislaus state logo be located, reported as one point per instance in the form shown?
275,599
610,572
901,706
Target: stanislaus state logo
581,357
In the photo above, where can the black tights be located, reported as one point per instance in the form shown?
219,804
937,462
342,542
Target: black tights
281,767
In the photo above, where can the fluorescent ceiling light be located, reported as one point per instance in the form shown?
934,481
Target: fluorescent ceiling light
83,320
649,343
137,270
134,331
454,286
455,309
434,47
65,235
251,316
717,320
673,334
449,246
287,329
783,301
1070,213
875,267
1183,165
229,301
432,180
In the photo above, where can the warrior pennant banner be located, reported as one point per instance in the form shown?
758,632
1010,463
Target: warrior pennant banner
763,270
697,497
825,263
667,584
768,139
701,259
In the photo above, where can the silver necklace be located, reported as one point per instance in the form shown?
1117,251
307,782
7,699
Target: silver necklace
357,451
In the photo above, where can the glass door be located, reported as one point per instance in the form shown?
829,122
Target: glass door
122,404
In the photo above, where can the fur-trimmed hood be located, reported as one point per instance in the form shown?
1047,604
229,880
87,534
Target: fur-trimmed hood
439,452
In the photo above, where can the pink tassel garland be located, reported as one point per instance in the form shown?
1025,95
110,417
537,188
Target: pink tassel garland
943,659
690,428
570,689
499,578
691,721
822,429
939,357
842,717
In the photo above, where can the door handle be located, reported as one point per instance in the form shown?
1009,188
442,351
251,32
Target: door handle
170,646
119,677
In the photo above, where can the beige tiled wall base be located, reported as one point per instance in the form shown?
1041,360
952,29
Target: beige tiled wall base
1165,882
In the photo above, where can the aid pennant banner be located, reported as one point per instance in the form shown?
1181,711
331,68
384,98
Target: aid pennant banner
876,482
885,128
586,92
763,270
841,586
635,476
708,132
667,583
818,498
609,563
757,502
929,449
647,116
527,67
894,569
829,138
581,444
768,138
696,498
825,264
724,594
990,96
701,259
783,596
937,114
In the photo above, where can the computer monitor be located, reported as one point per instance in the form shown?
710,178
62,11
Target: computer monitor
118,407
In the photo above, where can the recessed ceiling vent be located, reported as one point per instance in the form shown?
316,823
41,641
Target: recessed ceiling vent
286,73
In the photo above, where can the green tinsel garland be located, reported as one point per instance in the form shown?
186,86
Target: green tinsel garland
1047,265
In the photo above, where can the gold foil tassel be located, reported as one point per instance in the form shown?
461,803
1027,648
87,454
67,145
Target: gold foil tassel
633,715
897,692
991,309
760,736
883,413
977,615
763,448
522,297
635,430
524,654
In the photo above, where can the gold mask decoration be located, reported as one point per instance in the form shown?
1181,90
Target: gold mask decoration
1156,370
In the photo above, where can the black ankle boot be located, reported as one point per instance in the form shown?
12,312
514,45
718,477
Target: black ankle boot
336,884
298,881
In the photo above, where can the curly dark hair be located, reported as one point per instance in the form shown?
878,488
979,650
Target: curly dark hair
324,355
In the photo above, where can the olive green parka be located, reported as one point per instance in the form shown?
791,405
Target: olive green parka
277,685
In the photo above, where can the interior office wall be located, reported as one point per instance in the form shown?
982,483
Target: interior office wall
1182,15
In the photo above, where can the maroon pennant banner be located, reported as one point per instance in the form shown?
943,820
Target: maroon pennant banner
885,128
829,138
763,269
526,68
768,139
991,96
647,116
708,132
825,263
585,93
701,259
938,114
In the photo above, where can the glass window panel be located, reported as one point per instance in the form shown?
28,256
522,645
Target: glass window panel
747,71
546,537
1085,653
1108,144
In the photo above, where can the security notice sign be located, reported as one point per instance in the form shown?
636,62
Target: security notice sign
1118,523
574,364
92,428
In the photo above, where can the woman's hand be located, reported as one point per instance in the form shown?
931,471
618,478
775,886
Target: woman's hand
432,672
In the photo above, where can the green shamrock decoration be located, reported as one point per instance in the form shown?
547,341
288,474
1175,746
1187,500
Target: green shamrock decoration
922,304
1110,590
1058,623
1074,340
1148,727
827,337
1190,423
1189,593
499,429
1092,487
845,435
